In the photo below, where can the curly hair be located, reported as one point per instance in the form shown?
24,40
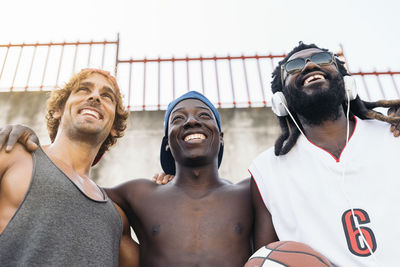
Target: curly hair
59,97
362,109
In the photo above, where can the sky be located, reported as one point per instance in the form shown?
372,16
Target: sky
368,30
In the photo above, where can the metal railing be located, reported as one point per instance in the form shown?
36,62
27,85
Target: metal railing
229,81
378,84
41,66
150,84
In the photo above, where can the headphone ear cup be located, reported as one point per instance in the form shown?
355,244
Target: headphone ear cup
279,104
350,87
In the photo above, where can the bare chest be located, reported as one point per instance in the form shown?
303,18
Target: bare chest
194,224
182,231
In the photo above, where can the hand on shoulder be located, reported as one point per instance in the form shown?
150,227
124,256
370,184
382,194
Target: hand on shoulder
162,178
395,127
13,133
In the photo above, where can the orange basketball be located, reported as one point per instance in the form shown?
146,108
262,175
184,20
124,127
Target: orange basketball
287,253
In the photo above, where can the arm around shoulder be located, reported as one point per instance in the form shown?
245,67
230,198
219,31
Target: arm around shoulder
129,249
126,193
264,232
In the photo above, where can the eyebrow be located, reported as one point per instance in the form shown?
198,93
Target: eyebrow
106,88
179,109
87,84
109,90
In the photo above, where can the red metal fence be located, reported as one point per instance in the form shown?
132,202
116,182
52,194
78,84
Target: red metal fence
42,66
378,84
229,81
150,84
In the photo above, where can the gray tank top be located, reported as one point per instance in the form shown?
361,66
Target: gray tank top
58,225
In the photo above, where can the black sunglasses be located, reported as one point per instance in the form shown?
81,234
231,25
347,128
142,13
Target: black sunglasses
297,64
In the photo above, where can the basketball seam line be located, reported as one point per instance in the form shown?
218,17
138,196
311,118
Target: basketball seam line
265,258
272,250
299,252
284,264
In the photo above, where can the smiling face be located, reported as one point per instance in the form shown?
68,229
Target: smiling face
316,92
90,108
193,134
313,76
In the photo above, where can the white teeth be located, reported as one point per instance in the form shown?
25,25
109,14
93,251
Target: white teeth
195,136
314,77
90,112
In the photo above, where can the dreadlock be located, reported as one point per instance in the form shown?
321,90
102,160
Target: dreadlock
362,109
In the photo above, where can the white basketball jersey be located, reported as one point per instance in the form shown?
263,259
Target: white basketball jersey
310,200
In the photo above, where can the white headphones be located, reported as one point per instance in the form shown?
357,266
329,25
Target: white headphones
279,103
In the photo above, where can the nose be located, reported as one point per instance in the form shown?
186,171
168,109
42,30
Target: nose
94,96
191,121
310,65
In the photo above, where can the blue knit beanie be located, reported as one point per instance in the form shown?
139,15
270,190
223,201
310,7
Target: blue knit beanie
166,158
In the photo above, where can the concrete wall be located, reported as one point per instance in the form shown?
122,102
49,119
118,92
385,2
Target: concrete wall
247,132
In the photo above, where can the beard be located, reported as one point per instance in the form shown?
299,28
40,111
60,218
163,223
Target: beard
321,105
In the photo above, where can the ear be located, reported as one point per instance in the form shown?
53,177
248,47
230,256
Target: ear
221,138
57,114
166,147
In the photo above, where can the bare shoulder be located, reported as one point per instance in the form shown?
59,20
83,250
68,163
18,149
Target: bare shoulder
136,185
15,176
128,191
245,183
14,159
242,187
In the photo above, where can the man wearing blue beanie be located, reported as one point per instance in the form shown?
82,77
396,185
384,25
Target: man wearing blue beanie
198,219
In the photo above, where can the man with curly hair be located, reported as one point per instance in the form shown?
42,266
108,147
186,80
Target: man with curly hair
51,212
331,179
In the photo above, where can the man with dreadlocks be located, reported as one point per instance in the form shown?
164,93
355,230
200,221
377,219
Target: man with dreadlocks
326,182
